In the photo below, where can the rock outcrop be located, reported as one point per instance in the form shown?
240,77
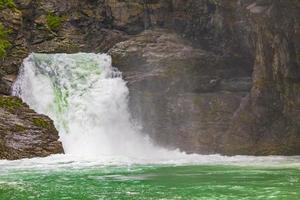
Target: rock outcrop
207,76
23,133
184,96
267,121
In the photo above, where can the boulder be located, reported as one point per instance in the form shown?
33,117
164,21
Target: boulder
24,133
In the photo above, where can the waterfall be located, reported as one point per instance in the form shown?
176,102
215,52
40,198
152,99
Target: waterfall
88,101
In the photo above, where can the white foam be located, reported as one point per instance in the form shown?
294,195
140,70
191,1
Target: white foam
68,161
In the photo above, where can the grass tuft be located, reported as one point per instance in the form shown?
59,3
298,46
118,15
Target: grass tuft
4,42
54,21
7,4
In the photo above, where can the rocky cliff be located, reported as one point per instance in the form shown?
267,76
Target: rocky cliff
206,76
268,118
23,133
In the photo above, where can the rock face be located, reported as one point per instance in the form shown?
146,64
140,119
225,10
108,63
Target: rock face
206,76
23,133
184,96
268,119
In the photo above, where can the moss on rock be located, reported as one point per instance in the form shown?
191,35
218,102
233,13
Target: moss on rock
10,103
19,128
39,122
7,4
4,42
54,21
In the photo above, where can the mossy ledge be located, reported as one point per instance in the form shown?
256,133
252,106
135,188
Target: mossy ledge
4,42
39,122
10,103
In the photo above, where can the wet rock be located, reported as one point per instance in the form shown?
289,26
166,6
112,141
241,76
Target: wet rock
268,119
184,96
25,134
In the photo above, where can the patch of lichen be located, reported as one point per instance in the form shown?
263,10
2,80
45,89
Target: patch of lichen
246,117
69,46
262,83
10,103
216,2
54,21
198,101
216,106
2,149
4,42
19,128
39,122
7,4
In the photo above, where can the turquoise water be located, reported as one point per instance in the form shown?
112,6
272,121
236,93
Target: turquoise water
160,181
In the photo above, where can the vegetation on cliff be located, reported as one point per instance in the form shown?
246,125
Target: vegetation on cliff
10,103
39,122
54,21
4,42
7,3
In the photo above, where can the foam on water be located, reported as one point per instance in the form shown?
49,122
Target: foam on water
57,162
88,101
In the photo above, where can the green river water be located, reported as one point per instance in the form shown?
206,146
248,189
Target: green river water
152,182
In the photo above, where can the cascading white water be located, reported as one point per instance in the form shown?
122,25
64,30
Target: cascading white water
87,99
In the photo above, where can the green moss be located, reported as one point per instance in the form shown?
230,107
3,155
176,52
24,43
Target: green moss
39,122
19,128
4,42
54,21
10,103
7,4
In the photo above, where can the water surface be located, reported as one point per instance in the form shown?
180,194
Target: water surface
277,178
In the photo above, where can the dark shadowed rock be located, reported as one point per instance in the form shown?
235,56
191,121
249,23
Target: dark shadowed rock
268,120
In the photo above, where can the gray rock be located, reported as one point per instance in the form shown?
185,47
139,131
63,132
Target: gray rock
179,92
25,134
